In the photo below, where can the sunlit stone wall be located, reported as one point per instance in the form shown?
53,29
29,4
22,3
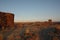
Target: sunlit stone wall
6,20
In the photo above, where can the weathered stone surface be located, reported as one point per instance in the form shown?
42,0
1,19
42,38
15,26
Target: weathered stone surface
6,20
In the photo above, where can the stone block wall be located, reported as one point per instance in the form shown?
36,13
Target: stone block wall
6,20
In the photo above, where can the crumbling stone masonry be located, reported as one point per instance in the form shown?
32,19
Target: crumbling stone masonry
6,20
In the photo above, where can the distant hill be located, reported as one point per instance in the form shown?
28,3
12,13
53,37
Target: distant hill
56,22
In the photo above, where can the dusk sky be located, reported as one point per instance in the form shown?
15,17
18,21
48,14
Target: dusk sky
32,10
